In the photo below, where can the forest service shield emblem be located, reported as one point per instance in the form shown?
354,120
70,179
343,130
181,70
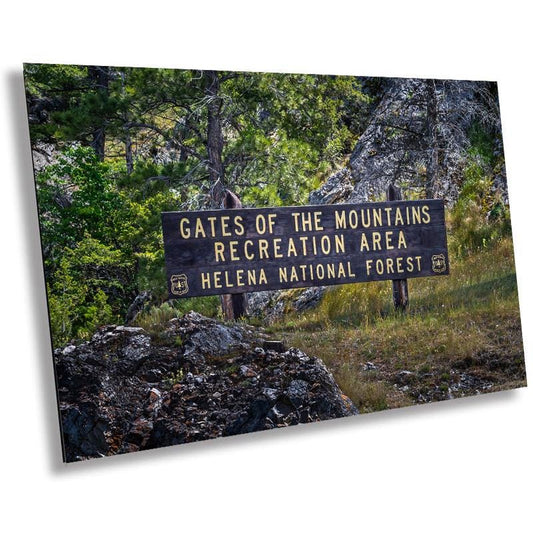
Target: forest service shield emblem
178,284
438,263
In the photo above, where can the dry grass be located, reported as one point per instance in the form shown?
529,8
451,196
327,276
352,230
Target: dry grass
460,336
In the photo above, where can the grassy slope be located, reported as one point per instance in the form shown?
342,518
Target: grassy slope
461,335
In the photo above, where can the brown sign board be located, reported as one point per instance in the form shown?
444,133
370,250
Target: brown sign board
231,251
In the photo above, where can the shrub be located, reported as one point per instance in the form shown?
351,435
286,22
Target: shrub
480,218
153,320
87,290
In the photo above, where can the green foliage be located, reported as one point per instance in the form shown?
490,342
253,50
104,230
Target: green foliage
101,220
61,84
479,218
174,378
306,126
481,144
102,241
88,289
76,197
282,136
141,237
281,131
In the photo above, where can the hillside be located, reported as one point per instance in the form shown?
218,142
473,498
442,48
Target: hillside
460,336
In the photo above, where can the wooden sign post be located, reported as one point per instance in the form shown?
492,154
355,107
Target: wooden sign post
234,251
400,291
234,306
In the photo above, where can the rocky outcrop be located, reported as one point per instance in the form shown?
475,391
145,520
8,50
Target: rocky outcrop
416,125
43,154
336,189
126,390
398,145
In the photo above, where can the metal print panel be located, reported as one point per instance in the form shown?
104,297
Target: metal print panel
229,252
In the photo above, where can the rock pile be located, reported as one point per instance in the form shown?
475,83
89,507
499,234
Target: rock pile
126,390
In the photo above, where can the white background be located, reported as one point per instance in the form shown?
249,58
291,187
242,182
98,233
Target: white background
455,466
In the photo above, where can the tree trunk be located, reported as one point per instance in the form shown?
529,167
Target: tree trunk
183,156
127,136
433,149
234,306
129,152
215,142
99,79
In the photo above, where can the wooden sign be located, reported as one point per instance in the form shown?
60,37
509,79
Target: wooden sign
230,251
